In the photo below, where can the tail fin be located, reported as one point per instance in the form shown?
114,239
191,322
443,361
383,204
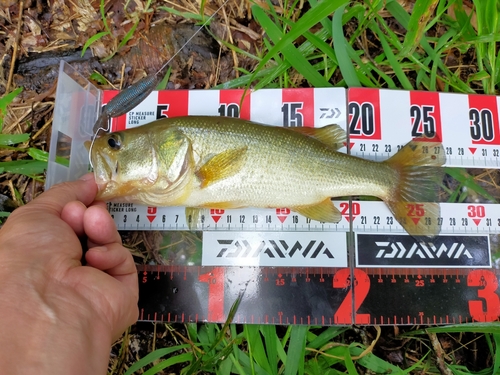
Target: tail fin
417,164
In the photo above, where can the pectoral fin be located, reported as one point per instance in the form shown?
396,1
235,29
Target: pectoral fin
331,135
324,211
221,166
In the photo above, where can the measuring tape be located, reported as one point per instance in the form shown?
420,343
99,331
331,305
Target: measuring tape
379,122
365,216
467,125
285,254
318,296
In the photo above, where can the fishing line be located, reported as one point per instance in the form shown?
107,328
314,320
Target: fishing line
104,117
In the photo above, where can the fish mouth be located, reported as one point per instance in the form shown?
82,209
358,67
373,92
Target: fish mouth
105,175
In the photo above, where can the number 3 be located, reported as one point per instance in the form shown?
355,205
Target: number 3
488,308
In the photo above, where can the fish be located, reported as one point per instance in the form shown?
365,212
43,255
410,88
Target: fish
223,162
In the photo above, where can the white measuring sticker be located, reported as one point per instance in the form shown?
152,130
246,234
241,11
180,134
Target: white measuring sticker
382,121
275,249
368,217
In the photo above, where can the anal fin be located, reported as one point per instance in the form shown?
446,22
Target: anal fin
324,211
331,135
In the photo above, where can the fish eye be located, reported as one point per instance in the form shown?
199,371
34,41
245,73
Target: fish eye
114,142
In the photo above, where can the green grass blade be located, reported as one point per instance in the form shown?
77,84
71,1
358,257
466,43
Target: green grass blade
349,364
340,46
245,362
326,336
5,101
153,356
254,345
185,357
496,354
93,39
461,175
186,15
391,58
270,339
127,36
374,363
104,19
296,350
212,339
422,12
309,19
296,59
26,167
12,139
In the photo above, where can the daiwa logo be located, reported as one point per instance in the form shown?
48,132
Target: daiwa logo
273,249
388,250
284,249
421,250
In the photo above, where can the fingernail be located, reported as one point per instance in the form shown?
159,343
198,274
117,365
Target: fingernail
86,177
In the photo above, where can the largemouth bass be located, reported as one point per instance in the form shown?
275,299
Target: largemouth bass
220,162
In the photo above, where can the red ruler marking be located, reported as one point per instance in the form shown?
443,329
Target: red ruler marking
425,116
298,107
483,119
172,103
230,101
364,114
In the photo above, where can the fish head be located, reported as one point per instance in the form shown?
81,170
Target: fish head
133,162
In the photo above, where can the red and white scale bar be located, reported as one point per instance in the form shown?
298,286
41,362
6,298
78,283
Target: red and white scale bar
379,122
370,217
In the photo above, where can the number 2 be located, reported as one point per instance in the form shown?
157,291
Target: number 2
361,287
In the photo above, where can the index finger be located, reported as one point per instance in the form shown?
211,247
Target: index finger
53,200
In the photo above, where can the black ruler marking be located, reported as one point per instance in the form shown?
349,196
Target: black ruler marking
318,296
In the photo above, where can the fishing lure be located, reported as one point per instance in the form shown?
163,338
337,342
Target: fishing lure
128,99
133,95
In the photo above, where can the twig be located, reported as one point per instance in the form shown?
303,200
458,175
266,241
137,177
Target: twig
438,349
16,42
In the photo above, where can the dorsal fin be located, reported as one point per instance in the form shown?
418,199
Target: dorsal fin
331,135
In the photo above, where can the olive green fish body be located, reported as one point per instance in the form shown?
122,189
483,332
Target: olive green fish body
219,162
280,167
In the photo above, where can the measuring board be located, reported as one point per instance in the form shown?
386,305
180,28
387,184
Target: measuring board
292,270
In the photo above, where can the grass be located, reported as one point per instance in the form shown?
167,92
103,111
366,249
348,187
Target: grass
439,46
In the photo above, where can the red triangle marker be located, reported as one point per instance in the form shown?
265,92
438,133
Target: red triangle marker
415,220
151,218
216,218
282,218
347,218
351,144
476,221
473,149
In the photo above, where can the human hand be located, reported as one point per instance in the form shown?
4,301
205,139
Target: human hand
44,281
